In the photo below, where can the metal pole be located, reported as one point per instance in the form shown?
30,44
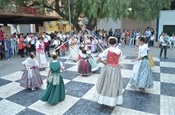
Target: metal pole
70,18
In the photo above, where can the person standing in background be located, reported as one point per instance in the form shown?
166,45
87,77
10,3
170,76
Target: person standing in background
163,45
2,31
47,39
33,42
172,42
14,45
21,45
8,47
110,33
148,35
152,37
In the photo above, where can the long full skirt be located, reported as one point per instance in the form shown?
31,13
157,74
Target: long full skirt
74,53
54,93
109,86
84,67
142,75
41,58
93,63
31,82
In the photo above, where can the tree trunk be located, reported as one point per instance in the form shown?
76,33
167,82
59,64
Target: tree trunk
91,25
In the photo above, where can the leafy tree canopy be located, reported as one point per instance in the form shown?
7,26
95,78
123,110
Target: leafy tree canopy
145,10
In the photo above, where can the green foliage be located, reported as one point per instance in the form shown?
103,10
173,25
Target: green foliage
148,9
97,9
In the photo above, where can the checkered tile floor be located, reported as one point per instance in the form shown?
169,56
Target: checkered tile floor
80,90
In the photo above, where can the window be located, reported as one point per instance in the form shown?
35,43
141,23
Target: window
169,29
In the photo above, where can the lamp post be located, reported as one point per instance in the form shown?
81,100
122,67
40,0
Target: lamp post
70,18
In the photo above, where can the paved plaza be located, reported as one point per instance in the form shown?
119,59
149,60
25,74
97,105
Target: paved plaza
80,90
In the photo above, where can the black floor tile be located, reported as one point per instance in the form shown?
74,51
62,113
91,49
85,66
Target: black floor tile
67,66
77,89
85,107
168,70
4,82
127,66
26,97
167,60
69,74
130,57
156,63
140,101
156,76
125,82
29,112
167,89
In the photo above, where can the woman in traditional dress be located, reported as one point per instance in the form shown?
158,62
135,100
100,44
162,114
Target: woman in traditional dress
94,44
92,61
40,54
73,49
141,74
109,85
31,77
84,67
55,91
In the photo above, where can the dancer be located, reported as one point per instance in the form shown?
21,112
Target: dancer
93,63
84,67
73,49
142,75
40,54
55,91
31,77
109,85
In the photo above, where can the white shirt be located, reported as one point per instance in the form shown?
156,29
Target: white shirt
172,38
143,50
47,38
29,38
33,40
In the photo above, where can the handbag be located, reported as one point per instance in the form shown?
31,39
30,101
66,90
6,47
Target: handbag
152,38
151,61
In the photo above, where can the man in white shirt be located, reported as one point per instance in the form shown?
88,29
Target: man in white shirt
148,35
163,45
47,39
33,42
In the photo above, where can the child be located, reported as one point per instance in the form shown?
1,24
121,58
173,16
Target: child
93,63
63,49
141,76
55,91
31,77
40,54
109,84
84,67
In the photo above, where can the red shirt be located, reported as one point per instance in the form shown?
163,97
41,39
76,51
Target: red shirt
1,35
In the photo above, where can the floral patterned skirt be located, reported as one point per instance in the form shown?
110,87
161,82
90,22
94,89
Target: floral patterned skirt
142,75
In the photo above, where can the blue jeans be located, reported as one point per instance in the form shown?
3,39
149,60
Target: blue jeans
131,41
9,53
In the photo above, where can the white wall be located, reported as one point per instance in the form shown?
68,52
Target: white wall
13,30
109,23
167,17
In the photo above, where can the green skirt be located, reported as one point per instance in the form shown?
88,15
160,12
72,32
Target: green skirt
54,93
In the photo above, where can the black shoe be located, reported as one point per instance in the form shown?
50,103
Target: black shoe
166,57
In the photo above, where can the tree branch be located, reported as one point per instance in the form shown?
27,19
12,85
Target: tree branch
49,7
57,9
